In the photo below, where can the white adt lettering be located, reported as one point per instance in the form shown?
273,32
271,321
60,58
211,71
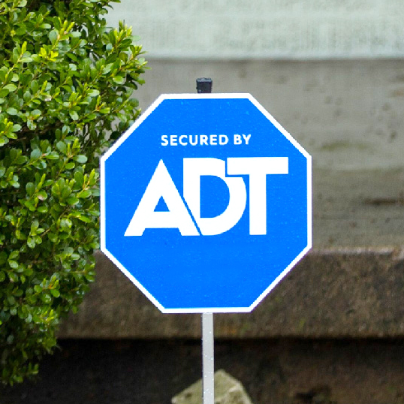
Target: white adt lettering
161,185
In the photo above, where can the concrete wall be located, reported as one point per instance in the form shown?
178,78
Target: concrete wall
240,29
347,114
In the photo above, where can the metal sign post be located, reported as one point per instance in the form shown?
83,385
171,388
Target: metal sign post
208,359
204,85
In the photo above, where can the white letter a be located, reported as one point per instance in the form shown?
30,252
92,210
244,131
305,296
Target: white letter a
161,185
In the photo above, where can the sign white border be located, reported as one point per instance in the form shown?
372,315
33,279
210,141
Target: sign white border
135,125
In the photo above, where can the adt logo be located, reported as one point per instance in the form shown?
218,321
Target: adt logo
162,186
206,203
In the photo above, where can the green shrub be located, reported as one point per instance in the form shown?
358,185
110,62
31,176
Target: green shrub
65,87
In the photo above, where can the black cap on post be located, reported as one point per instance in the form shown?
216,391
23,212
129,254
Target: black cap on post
204,85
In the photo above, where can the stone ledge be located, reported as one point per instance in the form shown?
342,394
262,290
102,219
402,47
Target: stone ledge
334,293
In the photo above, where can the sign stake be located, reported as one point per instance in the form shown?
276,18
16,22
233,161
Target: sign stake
204,85
208,359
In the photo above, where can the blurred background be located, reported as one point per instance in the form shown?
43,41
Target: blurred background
332,73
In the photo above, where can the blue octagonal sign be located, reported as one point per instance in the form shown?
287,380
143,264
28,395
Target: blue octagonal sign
206,203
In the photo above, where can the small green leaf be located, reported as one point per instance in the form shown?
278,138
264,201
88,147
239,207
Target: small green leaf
3,257
61,146
20,235
12,111
80,159
84,194
21,160
73,200
79,178
30,188
52,155
13,264
11,300
31,125
53,237
118,79
42,195
10,87
84,219
36,154
70,166
13,255
73,115
53,35
46,298
31,242
94,93
55,293
3,140
36,113
2,276
30,206
65,224
34,86
108,67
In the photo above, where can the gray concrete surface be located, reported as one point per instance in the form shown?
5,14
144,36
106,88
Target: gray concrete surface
265,28
346,113
272,372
